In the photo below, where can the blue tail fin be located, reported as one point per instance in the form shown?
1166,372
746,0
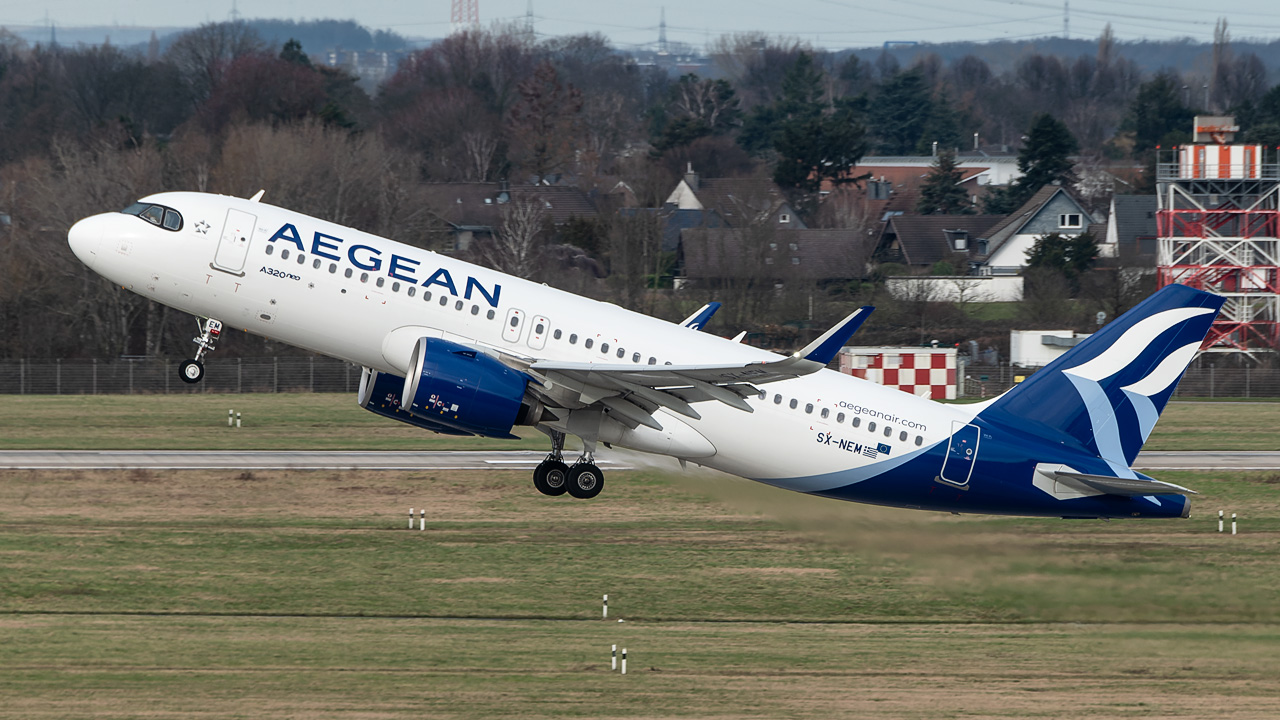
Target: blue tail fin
1107,392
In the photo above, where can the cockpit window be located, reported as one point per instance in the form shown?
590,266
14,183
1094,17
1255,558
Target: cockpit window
158,215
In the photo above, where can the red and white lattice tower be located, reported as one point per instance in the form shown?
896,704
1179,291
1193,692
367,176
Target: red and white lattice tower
1219,230
466,14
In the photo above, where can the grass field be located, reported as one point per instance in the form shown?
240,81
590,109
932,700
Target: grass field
292,594
335,422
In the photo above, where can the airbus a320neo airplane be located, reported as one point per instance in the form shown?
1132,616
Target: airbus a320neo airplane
459,349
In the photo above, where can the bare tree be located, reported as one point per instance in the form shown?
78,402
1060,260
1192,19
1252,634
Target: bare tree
517,246
203,55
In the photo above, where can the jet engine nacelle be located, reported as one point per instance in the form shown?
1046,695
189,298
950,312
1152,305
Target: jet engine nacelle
380,395
462,388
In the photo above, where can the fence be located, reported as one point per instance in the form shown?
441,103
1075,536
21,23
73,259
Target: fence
148,376
144,376
1198,382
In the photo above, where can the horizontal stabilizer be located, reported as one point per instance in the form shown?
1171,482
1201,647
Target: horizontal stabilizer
1128,487
824,349
699,320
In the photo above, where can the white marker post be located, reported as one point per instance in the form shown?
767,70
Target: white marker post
606,606
1233,523
410,518
230,416
613,662
422,519
624,661
1219,521
237,420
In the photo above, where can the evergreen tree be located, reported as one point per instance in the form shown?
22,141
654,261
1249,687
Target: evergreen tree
292,53
1044,159
941,192
900,112
1070,255
1157,112
941,127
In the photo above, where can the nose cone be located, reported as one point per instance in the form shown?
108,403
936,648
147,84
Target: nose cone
84,238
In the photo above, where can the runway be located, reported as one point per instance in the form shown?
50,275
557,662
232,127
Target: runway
460,460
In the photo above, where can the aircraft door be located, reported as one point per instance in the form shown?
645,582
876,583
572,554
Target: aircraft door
514,325
962,451
538,332
233,246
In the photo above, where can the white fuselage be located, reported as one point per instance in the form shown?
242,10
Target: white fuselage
365,299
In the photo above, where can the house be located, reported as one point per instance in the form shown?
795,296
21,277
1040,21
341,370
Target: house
473,210
770,254
1053,209
738,201
1131,232
675,221
921,241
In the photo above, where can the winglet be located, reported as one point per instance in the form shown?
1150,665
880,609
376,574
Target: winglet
824,349
699,320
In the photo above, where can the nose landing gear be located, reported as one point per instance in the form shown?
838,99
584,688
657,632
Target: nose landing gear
553,477
192,371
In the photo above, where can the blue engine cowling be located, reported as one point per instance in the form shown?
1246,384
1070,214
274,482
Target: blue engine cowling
462,388
380,394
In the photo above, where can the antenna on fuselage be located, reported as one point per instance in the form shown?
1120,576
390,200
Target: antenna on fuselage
257,196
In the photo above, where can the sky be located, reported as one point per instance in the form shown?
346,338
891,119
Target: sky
633,24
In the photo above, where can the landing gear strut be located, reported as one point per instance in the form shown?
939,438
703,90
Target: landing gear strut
553,477
192,371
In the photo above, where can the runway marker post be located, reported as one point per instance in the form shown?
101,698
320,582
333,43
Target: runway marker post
410,518
1233,523
230,416
606,606
237,420
624,661
613,661
422,519
1219,521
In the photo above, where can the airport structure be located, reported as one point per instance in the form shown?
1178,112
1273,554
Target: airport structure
1219,230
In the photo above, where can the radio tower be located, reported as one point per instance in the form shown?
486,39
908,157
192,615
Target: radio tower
662,32
466,14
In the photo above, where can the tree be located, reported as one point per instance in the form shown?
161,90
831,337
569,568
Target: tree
1157,112
203,55
1044,159
544,121
1070,255
941,192
517,246
697,108
900,112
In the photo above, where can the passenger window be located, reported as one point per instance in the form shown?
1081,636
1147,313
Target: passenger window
557,334
475,309
538,329
333,268
411,291
840,417
458,305
826,412
573,339
284,254
903,436
635,358
381,281
856,421
621,353
667,362
270,249
653,361
588,343
426,296
919,440
515,321
777,399
172,220
316,264
364,277
395,287
489,315
302,259
808,408
444,300
347,273
871,426
888,431
794,403
604,348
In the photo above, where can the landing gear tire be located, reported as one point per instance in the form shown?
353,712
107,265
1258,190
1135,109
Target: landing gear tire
585,481
191,371
550,477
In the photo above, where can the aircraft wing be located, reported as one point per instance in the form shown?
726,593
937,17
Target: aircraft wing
634,392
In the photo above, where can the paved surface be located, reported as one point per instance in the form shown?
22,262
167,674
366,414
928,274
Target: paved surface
476,460
274,460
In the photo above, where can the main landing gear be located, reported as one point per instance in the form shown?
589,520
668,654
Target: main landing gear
553,477
192,371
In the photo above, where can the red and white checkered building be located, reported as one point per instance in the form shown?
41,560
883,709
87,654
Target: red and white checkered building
926,372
